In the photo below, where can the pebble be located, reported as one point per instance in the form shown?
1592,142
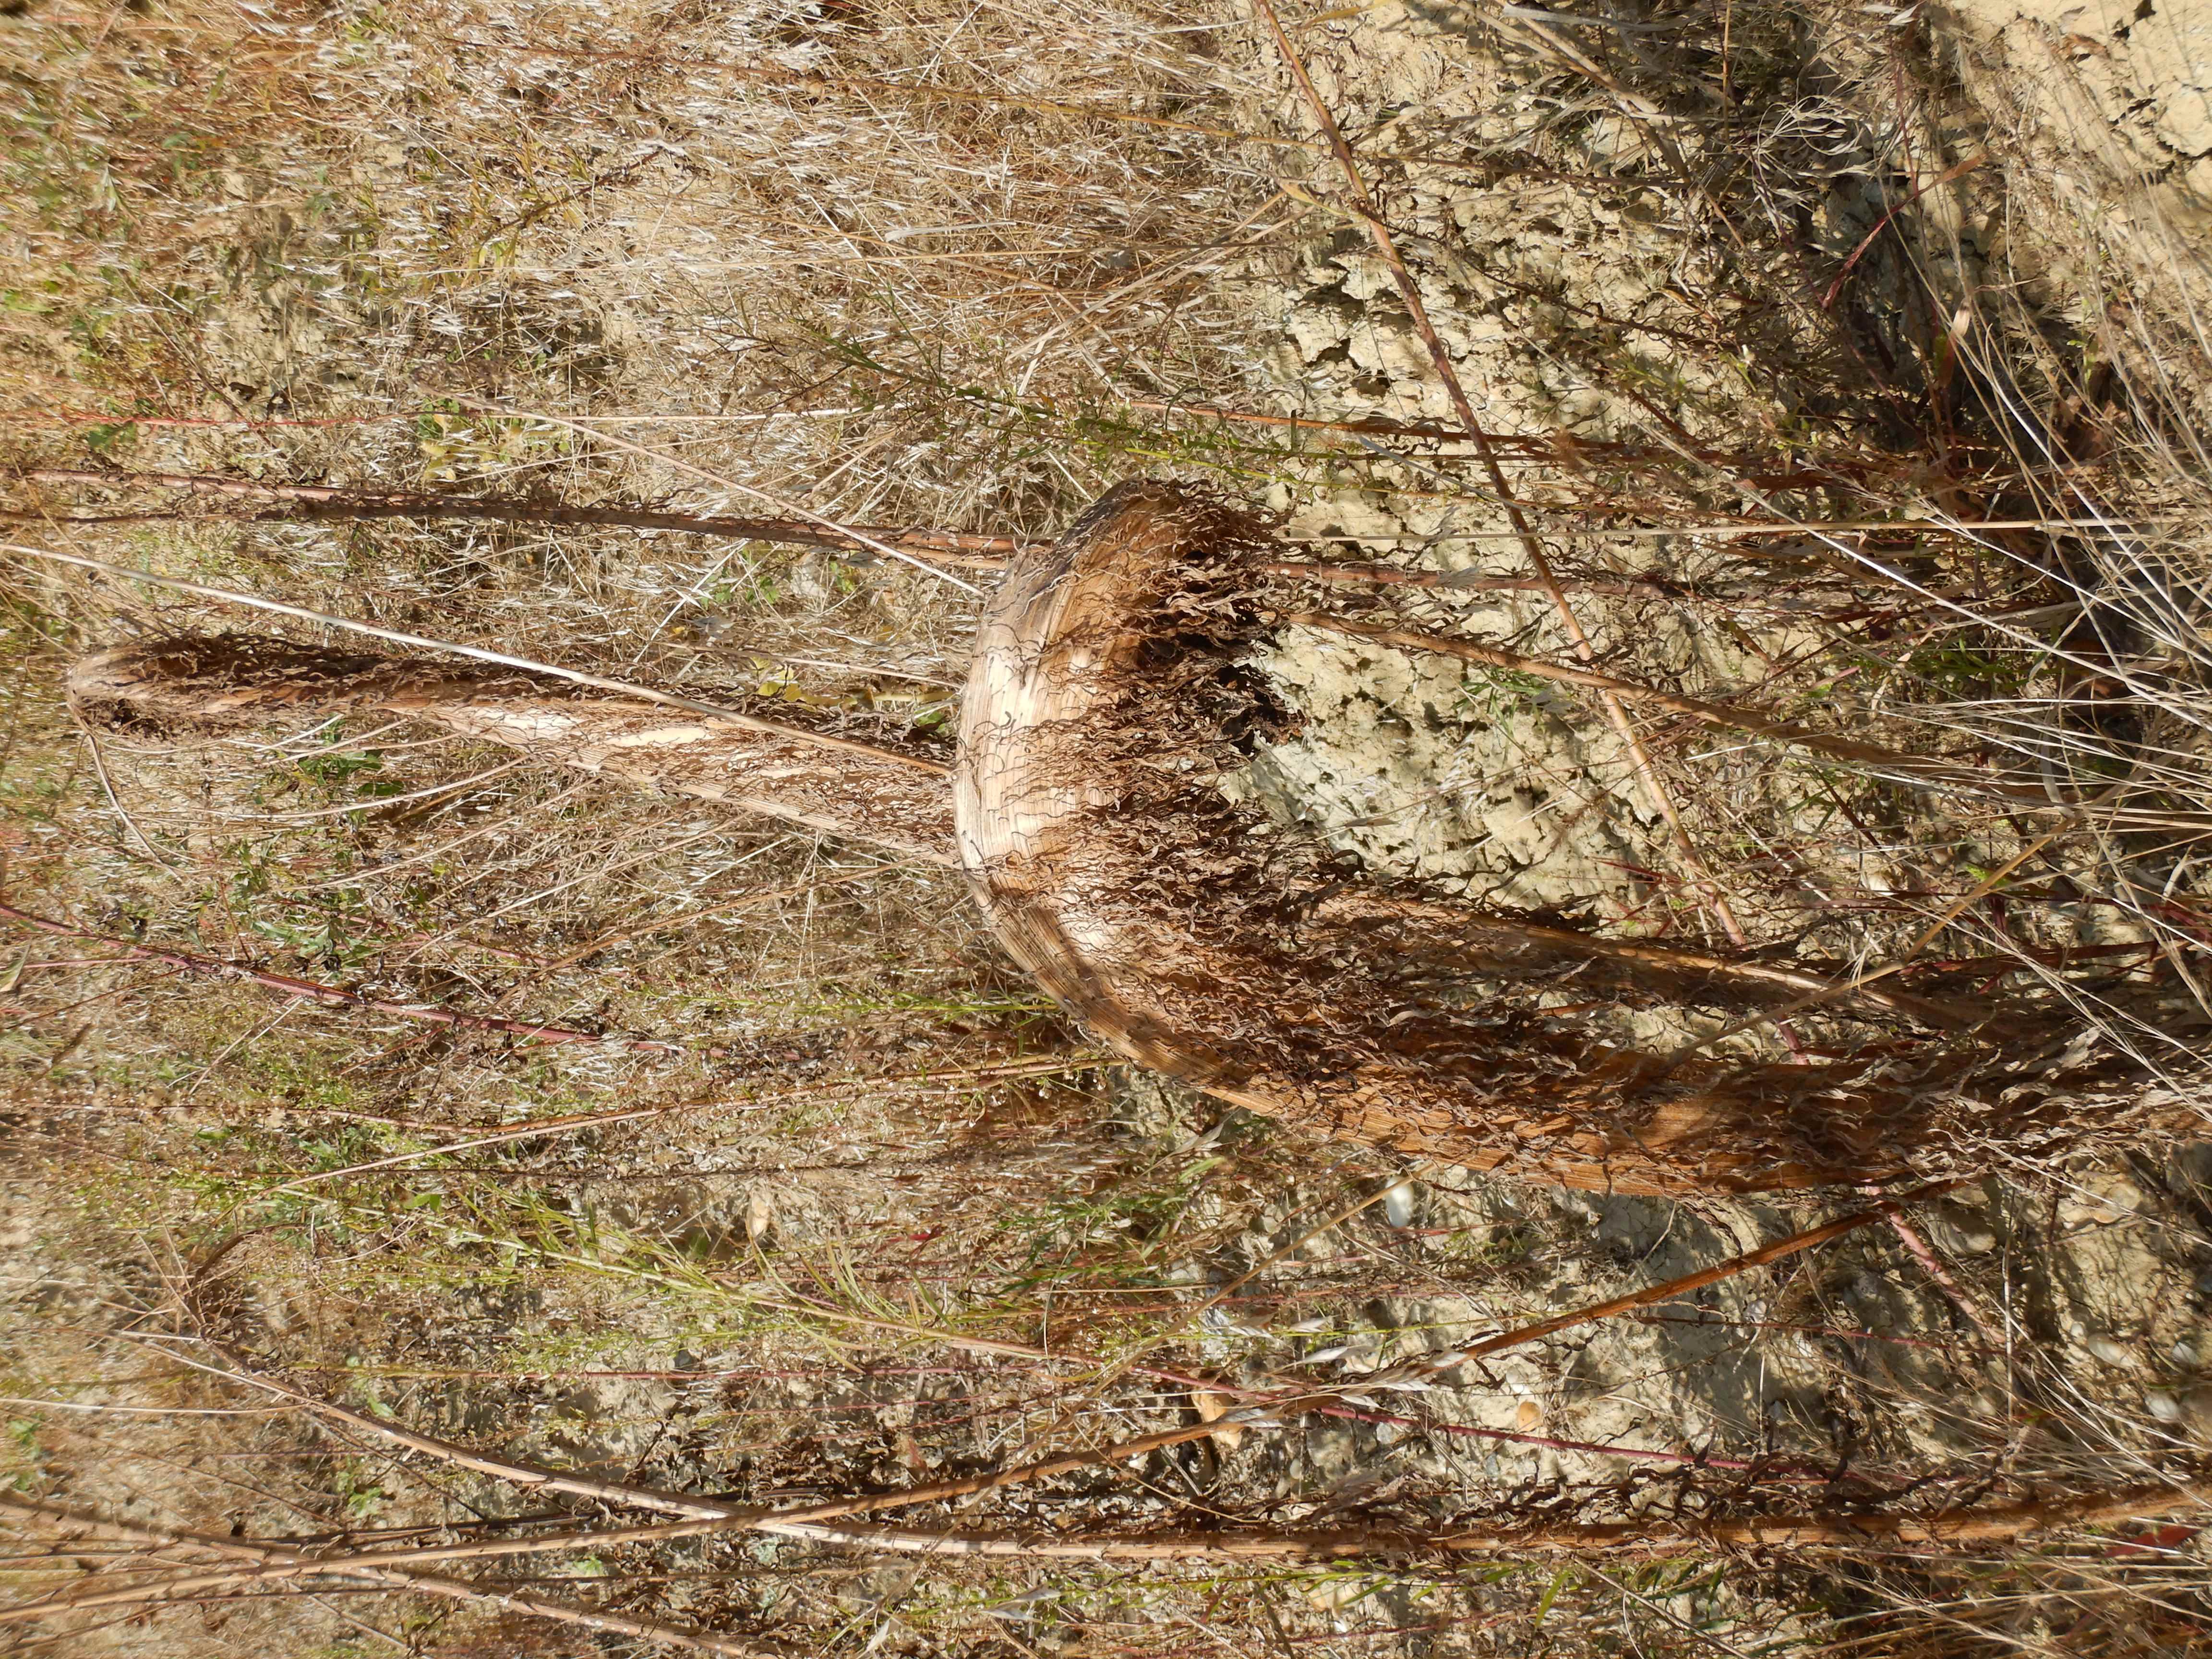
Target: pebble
2107,1350
2162,1406
1961,1231
1398,1204
2101,1202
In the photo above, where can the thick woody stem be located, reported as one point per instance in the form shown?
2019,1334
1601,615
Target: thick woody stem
821,781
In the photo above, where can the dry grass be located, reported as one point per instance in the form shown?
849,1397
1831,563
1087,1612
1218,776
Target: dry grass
878,1219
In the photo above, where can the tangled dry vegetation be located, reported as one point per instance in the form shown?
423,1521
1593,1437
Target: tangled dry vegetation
1634,783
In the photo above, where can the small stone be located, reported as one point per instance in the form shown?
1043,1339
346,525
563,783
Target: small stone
2196,1411
2104,1348
1398,1204
1528,1417
2162,1406
2100,1201
1331,1595
1957,1230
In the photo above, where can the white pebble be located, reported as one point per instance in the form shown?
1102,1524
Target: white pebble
1398,1204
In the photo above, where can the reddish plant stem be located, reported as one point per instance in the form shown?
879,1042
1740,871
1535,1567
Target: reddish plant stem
1781,1247
1932,1264
1387,575
945,546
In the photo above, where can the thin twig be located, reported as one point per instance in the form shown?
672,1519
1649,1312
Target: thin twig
327,502
723,481
1464,581
1859,981
107,788
1957,170
745,901
1932,1264
1673,1289
520,1132
1963,1529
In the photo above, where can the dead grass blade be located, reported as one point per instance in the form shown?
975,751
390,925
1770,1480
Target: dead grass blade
335,995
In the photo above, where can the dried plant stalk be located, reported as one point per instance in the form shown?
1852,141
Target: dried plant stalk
179,687
326,502
1107,697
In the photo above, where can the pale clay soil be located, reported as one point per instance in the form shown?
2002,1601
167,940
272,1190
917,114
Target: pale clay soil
1420,770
